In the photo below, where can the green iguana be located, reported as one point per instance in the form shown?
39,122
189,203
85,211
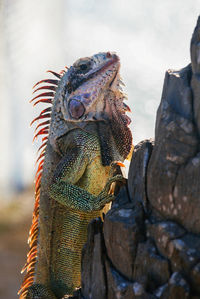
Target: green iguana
87,136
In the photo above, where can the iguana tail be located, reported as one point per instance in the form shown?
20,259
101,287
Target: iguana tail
41,129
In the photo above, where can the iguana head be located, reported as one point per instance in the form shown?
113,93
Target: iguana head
90,91
89,81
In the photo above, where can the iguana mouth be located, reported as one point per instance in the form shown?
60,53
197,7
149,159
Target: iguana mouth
113,60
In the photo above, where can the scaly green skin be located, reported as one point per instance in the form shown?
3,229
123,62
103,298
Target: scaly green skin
88,133
77,191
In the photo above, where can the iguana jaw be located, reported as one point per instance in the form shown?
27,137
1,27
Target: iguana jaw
99,64
113,59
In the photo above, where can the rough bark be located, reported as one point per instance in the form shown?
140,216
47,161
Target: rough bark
149,243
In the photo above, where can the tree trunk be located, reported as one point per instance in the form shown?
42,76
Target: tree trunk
149,243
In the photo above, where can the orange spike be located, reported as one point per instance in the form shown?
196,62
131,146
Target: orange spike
45,87
26,286
40,170
32,255
20,293
28,280
51,81
37,189
36,212
24,268
33,227
46,101
37,198
31,238
36,208
42,124
45,110
62,72
31,250
40,166
23,294
42,152
43,144
44,94
44,138
45,132
54,73
38,180
40,156
33,242
41,132
23,291
29,274
38,184
47,115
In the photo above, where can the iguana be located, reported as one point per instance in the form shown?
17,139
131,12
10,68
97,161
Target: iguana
87,136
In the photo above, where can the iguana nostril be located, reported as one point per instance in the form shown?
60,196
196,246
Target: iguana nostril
76,108
108,55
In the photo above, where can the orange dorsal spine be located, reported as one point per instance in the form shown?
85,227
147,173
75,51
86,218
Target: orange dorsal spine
43,130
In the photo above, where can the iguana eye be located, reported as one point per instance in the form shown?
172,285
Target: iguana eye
84,66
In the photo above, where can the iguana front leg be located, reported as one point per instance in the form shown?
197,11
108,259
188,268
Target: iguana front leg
68,193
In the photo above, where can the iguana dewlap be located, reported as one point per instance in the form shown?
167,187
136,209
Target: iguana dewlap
87,134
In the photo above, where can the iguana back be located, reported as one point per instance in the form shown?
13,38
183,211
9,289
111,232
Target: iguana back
87,135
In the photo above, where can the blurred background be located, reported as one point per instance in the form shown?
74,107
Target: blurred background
149,36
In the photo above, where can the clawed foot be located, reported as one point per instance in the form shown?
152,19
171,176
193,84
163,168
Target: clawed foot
104,197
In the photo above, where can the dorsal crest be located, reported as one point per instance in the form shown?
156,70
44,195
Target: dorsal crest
42,129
